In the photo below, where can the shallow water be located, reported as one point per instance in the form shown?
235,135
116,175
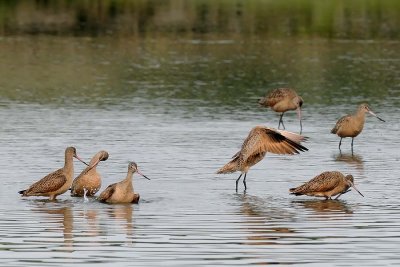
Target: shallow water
181,109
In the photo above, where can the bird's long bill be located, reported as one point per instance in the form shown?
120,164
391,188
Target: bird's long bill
93,165
78,158
299,115
352,185
142,175
373,114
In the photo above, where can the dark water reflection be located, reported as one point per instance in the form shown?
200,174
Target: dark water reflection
322,206
352,159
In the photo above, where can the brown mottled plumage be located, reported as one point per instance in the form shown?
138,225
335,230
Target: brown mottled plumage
282,100
89,180
326,184
352,125
55,183
122,192
260,141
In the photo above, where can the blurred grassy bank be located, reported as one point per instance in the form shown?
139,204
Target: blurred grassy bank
355,19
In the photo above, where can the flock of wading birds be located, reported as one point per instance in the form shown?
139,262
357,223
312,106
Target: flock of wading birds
260,140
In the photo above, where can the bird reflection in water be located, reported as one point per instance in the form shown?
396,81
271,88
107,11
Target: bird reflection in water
92,227
260,221
61,215
324,206
123,213
354,160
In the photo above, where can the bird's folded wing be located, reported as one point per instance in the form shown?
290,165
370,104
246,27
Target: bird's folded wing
322,183
107,193
49,183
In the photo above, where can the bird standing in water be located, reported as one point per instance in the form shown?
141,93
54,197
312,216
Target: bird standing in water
89,181
326,184
352,125
122,192
282,100
261,140
57,182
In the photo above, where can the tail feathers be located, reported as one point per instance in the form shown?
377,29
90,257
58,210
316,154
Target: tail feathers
294,192
293,136
334,130
230,167
22,192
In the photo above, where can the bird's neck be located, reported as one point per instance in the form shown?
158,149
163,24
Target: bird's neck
129,180
360,115
69,166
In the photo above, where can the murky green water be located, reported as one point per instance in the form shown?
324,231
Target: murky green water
180,106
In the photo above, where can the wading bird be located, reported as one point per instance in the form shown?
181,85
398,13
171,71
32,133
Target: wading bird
282,100
326,184
55,183
352,125
122,192
260,141
89,181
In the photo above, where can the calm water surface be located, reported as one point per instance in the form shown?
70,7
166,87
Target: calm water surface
181,108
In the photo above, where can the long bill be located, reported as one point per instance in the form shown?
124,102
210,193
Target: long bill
142,175
93,165
78,158
352,185
299,115
373,114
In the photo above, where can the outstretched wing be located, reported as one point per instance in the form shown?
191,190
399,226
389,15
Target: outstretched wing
263,139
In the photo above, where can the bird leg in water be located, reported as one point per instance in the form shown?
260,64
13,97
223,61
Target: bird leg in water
352,140
342,193
237,181
301,127
340,142
281,121
244,181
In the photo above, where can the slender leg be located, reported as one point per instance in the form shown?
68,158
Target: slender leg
342,194
281,121
340,143
338,196
244,181
352,139
237,181
301,127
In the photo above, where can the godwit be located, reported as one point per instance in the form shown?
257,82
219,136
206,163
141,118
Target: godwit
282,100
55,183
122,192
326,184
89,180
260,141
352,125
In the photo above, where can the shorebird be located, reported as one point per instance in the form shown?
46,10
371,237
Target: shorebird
57,182
326,184
282,100
122,192
260,141
89,181
352,125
